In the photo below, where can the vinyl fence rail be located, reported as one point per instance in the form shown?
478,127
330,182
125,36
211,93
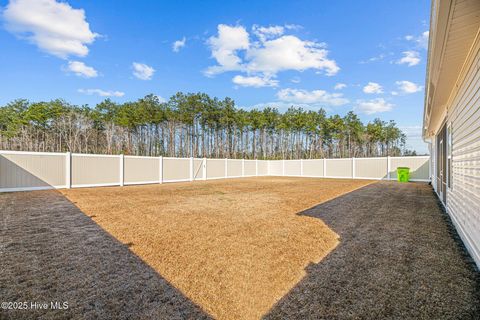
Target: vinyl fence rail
23,171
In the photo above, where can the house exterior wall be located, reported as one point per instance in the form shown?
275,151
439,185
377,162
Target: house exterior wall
463,122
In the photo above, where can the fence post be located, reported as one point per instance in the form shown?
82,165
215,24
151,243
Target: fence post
388,167
160,169
324,167
204,168
243,167
301,167
283,167
191,169
353,167
122,171
256,167
68,170
226,168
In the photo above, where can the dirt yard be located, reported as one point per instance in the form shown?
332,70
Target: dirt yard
234,247
147,252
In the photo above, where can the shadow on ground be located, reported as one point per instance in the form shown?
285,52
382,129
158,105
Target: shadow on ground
51,251
398,258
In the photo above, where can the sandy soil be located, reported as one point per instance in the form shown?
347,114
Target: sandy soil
234,247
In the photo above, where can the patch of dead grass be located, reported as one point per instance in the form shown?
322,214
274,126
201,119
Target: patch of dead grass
234,247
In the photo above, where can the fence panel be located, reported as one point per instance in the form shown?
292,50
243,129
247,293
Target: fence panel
91,170
176,169
339,168
275,168
263,167
293,168
139,170
197,169
371,168
41,170
419,167
250,168
313,168
215,168
30,170
234,168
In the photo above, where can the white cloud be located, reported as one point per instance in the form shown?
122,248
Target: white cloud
411,58
408,87
81,69
290,53
373,87
225,46
380,57
311,97
373,106
54,27
264,33
102,93
273,53
340,86
254,81
142,71
295,80
161,99
421,40
293,27
177,45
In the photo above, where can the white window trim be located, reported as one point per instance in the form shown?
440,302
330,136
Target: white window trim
449,156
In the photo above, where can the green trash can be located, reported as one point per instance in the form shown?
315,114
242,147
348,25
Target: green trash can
403,174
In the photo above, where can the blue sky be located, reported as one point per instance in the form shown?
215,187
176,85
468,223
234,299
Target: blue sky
367,56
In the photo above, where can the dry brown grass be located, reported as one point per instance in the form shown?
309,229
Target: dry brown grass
234,247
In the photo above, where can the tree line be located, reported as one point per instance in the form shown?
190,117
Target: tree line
193,125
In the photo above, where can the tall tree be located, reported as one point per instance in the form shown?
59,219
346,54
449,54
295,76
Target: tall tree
193,125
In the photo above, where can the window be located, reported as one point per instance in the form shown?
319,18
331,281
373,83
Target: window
449,156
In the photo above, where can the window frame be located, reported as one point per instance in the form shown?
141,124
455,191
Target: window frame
449,156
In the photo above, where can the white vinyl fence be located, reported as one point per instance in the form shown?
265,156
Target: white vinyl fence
21,171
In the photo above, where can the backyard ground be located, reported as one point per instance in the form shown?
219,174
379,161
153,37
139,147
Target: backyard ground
236,249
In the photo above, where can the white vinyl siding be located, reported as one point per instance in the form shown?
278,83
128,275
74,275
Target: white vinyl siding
463,198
